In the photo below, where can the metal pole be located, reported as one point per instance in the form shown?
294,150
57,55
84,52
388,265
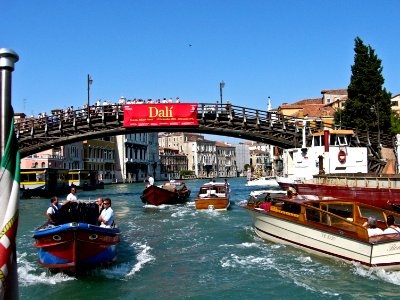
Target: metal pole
379,127
221,86
7,60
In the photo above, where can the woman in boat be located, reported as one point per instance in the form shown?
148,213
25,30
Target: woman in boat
266,205
391,227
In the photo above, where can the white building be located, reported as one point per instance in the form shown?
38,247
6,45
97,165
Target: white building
137,157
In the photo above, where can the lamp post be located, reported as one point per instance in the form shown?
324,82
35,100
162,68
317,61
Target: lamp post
221,86
89,82
375,108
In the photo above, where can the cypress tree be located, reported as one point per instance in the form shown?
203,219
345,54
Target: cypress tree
367,100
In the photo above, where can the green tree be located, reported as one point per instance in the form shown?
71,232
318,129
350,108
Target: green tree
367,101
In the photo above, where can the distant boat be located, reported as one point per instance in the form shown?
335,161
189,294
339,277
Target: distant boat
78,243
213,196
171,192
263,181
329,227
43,182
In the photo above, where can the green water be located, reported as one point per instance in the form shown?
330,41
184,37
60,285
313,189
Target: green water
176,252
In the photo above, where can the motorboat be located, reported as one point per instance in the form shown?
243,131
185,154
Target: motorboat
263,181
213,196
170,192
77,243
329,227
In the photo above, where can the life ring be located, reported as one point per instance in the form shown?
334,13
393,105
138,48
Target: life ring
342,156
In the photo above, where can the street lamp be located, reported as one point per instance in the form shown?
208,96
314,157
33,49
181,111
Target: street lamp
221,86
375,108
89,82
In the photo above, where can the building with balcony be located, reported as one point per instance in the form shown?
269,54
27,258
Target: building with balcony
137,157
172,163
99,155
226,160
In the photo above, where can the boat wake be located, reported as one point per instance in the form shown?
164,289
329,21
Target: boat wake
143,257
29,274
377,273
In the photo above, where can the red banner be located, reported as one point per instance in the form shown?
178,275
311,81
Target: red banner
164,114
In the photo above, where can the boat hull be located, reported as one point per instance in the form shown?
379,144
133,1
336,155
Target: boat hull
212,203
74,247
384,254
156,196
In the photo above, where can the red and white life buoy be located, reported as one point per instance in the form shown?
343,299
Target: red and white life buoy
342,156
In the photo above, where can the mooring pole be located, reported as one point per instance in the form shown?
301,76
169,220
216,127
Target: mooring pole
7,60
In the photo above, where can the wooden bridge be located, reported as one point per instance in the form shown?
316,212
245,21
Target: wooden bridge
62,128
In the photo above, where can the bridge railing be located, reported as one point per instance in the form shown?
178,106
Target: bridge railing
68,122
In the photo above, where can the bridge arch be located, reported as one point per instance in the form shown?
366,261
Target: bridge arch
36,135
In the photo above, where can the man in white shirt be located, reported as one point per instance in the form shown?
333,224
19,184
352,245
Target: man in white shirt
373,230
391,227
107,214
72,196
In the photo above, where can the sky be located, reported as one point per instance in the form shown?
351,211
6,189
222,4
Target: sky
288,50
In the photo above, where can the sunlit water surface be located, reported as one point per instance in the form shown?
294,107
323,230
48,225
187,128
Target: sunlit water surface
176,252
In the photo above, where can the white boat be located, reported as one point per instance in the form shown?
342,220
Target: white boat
263,181
330,166
329,227
327,152
261,194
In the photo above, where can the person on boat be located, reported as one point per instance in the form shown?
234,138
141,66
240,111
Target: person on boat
372,229
151,182
291,192
99,203
72,196
391,227
100,207
268,197
106,217
53,210
266,205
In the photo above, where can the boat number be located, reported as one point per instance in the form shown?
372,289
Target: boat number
328,236
93,236
395,247
57,238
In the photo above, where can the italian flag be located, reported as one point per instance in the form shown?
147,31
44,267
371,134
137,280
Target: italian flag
9,201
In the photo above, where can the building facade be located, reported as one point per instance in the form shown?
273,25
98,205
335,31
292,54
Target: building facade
137,157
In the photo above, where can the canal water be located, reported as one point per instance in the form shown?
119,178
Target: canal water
176,252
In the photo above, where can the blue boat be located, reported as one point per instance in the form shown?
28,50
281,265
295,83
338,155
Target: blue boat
78,243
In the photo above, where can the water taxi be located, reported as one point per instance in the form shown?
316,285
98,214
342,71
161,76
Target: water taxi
329,227
213,196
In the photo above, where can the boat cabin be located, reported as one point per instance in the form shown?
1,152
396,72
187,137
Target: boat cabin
213,190
332,138
325,152
337,216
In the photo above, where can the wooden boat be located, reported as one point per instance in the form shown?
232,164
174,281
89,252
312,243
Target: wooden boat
329,227
171,192
213,196
263,181
78,243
